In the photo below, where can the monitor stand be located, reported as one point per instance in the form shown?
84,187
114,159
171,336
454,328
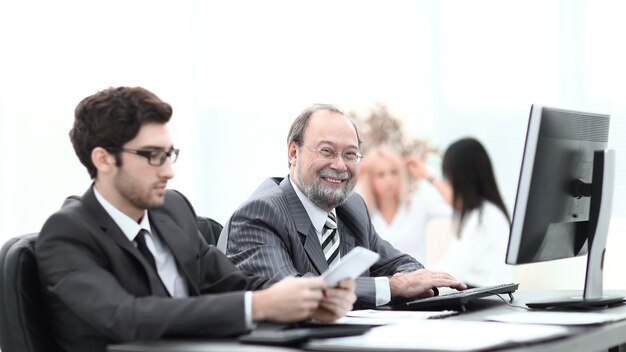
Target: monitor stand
603,181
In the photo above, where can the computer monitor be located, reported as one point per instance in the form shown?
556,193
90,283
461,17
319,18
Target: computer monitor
564,197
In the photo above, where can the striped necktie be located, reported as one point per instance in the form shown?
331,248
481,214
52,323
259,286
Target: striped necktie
330,241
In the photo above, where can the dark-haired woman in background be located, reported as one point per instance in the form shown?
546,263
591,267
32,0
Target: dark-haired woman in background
482,221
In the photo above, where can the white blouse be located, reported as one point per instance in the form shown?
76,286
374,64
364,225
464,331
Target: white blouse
478,256
407,231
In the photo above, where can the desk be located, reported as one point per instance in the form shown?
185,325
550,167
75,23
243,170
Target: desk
607,337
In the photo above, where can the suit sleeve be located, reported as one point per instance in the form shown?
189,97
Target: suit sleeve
77,278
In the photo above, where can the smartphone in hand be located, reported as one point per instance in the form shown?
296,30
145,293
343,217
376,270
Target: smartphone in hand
350,266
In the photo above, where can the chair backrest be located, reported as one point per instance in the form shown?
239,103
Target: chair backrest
210,229
23,324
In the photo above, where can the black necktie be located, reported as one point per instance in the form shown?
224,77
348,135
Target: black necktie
140,239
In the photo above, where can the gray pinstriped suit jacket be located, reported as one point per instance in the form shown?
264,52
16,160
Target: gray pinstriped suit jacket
271,235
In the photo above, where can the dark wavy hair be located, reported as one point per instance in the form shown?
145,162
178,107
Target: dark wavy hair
111,118
467,167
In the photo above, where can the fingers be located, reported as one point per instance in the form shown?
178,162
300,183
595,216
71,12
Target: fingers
316,282
442,279
307,290
338,301
311,288
342,296
324,315
302,298
460,286
419,283
307,294
337,307
427,293
331,309
310,306
339,298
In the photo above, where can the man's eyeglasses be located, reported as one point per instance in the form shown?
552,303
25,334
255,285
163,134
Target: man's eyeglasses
155,157
349,156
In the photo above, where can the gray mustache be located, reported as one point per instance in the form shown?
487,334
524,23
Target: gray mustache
338,175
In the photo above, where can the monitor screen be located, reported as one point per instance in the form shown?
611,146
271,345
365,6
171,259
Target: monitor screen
560,207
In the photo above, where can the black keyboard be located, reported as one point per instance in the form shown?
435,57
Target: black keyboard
456,300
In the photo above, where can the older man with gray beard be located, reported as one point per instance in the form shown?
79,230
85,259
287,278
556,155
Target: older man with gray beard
303,224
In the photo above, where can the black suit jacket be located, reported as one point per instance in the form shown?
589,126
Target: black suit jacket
271,235
100,289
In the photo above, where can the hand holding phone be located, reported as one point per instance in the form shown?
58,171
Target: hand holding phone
350,266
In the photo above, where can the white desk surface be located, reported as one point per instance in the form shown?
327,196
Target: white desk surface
582,338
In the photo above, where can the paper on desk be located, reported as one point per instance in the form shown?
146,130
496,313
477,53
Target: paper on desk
558,318
385,317
440,335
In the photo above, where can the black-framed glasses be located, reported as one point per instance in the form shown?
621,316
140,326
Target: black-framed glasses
349,156
156,157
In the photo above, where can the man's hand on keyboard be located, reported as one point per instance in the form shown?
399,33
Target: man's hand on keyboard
420,283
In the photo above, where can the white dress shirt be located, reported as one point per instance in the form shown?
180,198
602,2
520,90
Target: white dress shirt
318,218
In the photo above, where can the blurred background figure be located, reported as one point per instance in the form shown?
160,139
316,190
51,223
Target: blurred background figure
481,220
398,216
390,178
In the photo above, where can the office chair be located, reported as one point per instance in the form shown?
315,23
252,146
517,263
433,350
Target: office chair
23,325
210,229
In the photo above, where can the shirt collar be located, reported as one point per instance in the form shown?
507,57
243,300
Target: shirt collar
129,227
317,215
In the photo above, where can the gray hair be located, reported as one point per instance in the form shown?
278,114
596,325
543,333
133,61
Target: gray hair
298,127
296,132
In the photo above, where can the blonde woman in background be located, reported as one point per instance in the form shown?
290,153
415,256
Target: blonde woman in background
399,217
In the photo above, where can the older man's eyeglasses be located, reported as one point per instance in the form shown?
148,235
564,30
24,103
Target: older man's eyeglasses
349,156
155,157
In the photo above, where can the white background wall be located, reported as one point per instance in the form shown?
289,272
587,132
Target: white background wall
238,72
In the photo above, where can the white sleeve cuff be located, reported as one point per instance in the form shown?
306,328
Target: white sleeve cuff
248,309
383,291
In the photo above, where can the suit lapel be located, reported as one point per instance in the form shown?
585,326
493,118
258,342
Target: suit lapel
106,223
305,228
112,231
179,244
346,236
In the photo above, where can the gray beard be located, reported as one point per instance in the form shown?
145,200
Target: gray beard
325,197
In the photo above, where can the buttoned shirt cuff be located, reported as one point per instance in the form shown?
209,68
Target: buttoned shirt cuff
248,309
383,290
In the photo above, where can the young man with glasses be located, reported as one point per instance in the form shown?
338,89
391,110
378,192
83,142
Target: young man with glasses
303,224
126,261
